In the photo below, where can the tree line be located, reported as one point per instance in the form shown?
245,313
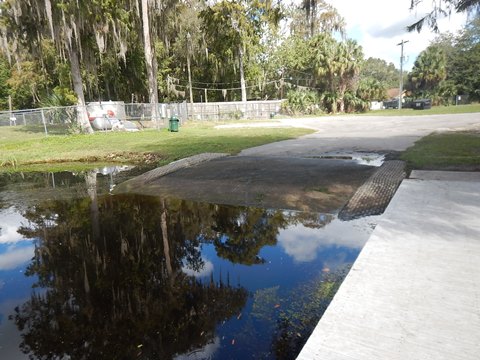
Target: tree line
58,52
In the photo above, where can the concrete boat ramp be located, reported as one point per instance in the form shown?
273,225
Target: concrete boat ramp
414,291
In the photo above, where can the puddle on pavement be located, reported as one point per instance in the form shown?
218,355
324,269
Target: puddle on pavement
87,274
360,158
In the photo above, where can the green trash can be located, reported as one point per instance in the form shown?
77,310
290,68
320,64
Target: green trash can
173,124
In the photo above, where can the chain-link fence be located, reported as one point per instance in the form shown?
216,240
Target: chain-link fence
234,110
102,115
58,120
55,120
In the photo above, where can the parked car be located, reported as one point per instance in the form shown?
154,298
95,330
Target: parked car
392,104
422,104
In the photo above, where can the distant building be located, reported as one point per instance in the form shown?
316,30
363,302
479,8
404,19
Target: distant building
392,93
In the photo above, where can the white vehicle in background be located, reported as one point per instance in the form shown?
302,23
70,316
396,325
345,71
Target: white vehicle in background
109,115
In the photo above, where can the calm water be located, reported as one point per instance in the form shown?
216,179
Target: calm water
89,275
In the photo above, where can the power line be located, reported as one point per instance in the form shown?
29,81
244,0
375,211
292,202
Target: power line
225,89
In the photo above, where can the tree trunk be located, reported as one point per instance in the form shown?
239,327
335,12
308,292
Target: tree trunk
166,246
313,15
342,103
150,63
341,97
82,116
91,182
242,73
190,84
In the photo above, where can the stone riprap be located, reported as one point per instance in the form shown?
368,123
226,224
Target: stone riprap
373,197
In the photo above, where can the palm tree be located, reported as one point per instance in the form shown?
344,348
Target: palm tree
429,69
348,61
338,63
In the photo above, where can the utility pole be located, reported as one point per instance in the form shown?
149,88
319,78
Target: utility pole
401,74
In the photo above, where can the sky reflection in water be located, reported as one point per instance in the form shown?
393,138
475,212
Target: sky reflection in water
142,277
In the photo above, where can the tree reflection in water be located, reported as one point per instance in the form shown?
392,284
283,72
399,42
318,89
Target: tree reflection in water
112,274
114,289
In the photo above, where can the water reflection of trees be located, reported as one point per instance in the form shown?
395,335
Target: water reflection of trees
118,291
110,269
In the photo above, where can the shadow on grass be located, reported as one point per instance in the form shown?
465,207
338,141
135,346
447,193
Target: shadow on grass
445,151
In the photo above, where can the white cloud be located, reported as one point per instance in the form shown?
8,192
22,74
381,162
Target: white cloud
303,244
10,221
205,271
205,352
379,25
15,257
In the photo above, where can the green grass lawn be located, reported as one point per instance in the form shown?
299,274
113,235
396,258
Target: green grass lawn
445,151
24,149
435,110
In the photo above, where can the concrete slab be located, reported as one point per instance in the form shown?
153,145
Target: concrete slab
317,185
414,291
445,175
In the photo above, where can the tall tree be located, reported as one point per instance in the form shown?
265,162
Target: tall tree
339,64
464,62
429,70
242,23
318,17
150,60
67,23
381,71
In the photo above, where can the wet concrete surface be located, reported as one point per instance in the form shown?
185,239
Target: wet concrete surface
311,173
307,184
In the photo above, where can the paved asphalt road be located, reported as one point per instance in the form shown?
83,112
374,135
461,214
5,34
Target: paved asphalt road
362,133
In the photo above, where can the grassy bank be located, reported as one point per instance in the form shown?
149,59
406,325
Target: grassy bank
436,110
22,149
445,151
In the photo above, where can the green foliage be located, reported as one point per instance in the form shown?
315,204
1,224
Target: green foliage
449,67
26,84
212,38
339,64
370,89
5,74
354,103
60,97
378,70
302,102
464,62
429,70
